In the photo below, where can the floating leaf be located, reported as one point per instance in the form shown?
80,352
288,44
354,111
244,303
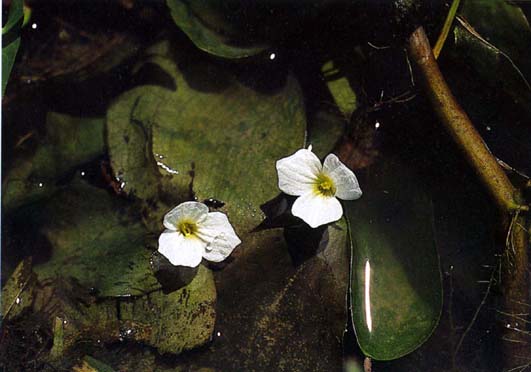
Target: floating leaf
94,238
396,289
69,142
217,125
188,16
180,320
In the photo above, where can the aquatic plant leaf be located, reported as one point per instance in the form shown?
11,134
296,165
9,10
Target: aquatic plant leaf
396,292
9,53
171,323
491,42
502,23
188,16
95,239
89,364
340,89
69,142
226,131
11,39
17,293
14,17
493,38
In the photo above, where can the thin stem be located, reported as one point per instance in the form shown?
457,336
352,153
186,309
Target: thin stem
446,28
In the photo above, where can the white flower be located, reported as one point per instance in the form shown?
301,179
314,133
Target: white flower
317,186
192,233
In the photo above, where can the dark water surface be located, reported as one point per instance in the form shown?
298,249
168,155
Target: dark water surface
279,302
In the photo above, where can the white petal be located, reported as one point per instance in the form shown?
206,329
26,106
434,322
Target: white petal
297,173
317,210
181,251
220,235
346,183
191,210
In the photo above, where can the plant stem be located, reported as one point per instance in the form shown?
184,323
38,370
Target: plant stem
515,260
459,125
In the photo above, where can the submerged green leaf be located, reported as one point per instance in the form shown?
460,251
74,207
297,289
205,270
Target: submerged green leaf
171,323
396,292
493,38
69,142
189,17
95,239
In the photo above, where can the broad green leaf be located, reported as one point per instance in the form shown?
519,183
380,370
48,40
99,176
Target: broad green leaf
217,125
69,143
396,292
94,238
171,323
192,20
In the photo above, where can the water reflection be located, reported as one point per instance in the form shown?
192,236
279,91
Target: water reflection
368,316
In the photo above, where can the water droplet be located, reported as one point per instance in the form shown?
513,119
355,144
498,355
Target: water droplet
82,173
65,321
34,26
488,128
508,325
377,125
41,184
272,56
18,301
218,334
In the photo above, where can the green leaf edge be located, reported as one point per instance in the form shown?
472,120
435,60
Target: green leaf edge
180,13
350,310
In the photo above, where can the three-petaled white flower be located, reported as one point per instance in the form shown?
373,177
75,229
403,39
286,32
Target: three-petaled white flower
317,186
192,233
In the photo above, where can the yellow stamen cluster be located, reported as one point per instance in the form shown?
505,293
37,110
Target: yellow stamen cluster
325,186
187,228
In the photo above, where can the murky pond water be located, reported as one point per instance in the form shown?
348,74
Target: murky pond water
118,111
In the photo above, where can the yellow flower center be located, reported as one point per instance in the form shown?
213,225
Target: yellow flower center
325,186
187,228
